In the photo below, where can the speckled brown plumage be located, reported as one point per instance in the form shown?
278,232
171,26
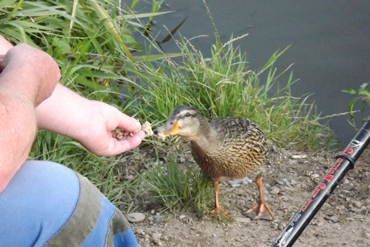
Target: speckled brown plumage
224,148
236,149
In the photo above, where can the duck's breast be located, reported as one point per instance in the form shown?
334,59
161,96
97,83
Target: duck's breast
237,148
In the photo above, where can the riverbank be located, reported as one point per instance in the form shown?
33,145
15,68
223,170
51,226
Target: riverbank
289,178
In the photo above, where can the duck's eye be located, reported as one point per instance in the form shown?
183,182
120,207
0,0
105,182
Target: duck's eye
187,114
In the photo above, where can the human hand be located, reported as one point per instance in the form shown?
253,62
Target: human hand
32,73
100,137
1,63
5,45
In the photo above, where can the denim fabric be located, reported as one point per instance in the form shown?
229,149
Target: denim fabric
47,204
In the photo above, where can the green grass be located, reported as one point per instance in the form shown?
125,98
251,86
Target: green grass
90,40
179,186
93,43
222,85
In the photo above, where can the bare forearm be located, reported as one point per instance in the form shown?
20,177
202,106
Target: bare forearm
17,135
27,77
89,122
60,113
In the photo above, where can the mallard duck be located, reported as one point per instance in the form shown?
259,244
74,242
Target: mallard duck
225,149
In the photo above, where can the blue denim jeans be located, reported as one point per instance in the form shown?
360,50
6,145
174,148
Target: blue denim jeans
48,204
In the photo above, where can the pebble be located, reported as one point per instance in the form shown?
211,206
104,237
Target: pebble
181,160
158,218
155,218
333,219
356,210
181,217
299,156
140,232
359,217
275,190
156,238
128,178
320,223
239,182
282,181
345,181
135,217
242,220
357,204
292,162
315,175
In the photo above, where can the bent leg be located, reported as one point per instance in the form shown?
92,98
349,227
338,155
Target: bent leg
47,204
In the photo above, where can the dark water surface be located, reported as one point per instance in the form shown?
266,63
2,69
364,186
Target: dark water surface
329,43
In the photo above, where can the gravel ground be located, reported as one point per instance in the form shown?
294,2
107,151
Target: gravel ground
289,179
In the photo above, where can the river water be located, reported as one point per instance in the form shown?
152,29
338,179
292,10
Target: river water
329,43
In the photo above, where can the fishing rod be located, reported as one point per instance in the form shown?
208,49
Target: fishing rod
344,162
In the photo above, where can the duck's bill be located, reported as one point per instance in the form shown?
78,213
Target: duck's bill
167,130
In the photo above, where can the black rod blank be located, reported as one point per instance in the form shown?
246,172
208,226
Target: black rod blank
321,193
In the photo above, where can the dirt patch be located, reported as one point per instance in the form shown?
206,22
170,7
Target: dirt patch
289,179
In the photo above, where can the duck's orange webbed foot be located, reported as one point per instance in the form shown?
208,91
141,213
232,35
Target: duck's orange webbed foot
260,211
217,210
221,213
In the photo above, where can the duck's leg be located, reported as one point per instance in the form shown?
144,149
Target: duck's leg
218,209
260,210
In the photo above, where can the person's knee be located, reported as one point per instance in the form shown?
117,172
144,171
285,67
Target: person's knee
50,205
38,201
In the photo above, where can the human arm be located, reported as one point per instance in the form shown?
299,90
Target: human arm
5,46
28,76
89,122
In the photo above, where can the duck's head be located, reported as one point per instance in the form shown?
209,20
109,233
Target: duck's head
184,121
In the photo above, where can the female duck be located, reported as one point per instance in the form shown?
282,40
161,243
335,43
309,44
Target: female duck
224,148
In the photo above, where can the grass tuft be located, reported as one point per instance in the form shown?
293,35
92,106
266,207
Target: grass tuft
179,187
222,86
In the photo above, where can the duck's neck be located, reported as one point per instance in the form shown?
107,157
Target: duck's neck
203,136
